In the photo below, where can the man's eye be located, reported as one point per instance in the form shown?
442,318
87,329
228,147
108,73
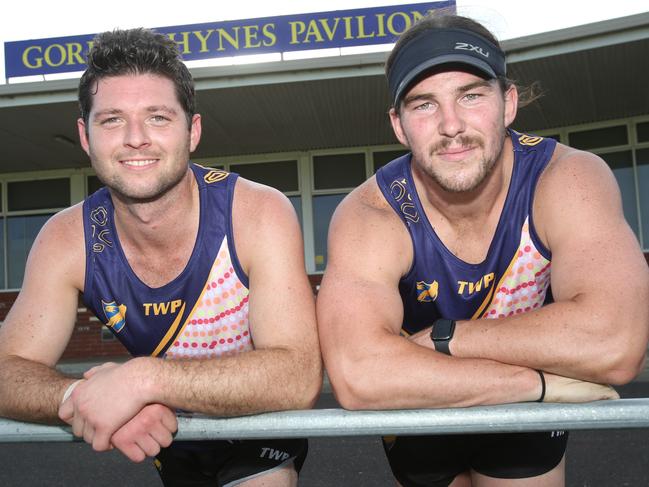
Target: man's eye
159,118
110,120
424,106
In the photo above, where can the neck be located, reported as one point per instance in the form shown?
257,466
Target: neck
159,222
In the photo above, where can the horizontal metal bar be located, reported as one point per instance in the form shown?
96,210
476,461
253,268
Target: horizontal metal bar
622,413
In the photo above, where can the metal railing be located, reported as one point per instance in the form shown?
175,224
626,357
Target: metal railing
621,413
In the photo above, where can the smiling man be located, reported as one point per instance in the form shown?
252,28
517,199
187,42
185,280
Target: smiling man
486,266
167,256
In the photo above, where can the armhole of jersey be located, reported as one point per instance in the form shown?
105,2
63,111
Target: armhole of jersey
383,187
232,181
87,295
547,154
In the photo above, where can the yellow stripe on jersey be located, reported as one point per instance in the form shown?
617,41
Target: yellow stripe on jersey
487,300
170,332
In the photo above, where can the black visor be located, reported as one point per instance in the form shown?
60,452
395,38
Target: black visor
442,46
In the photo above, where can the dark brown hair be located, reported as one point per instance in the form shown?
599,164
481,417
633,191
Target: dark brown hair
135,51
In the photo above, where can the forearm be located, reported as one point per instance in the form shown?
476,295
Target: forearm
246,383
30,391
400,374
567,338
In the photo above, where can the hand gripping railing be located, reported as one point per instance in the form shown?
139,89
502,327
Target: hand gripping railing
622,413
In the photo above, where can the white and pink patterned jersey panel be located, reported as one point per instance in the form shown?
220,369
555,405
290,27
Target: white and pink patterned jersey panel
524,286
218,324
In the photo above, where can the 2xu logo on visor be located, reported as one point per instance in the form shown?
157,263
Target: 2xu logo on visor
465,46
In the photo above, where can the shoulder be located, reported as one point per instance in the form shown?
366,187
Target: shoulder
264,223
64,227
60,245
365,201
365,209
567,162
572,173
574,183
259,204
365,229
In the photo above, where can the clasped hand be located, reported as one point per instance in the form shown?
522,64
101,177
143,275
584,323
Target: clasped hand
108,410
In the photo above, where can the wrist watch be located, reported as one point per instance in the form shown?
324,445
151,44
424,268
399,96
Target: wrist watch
441,334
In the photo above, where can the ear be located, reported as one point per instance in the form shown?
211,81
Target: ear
195,132
83,135
395,120
511,105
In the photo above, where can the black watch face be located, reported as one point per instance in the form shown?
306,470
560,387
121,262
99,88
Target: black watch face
443,330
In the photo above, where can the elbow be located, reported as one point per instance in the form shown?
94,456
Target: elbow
624,371
351,402
623,363
353,390
618,357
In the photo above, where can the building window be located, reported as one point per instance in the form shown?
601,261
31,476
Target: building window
599,138
643,132
382,158
21,233
338,171
630,165
296,201
281,175
622,165
29,205
334,175
323,210
642,159
93,184
35,195
3,283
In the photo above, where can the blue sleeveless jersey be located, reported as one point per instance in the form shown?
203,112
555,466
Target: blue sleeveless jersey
515,275
201,313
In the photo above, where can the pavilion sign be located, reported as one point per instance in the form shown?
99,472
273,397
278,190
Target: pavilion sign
341,28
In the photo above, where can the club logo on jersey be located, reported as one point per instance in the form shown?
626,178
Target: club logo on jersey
469,287
215,175
427,293
529,140
116,315
100,216
101,236
401,195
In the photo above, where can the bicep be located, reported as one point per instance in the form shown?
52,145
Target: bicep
595,255
41,320
359,302
281,302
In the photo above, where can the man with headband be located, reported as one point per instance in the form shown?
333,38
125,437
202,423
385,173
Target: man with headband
486,266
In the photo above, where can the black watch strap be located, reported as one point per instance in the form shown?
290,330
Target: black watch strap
441,334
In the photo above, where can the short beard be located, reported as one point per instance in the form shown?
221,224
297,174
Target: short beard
484,169
120,191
